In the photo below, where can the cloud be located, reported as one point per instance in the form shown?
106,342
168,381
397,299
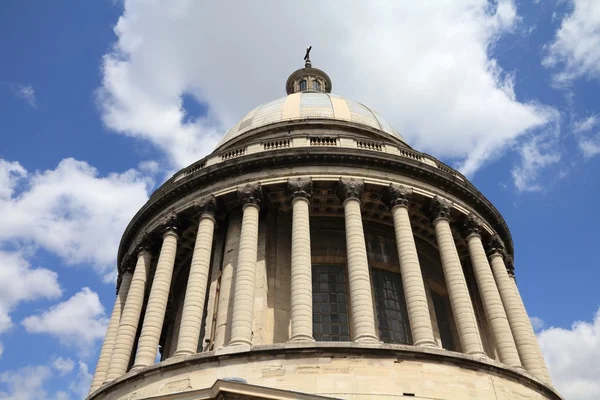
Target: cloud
426,67
83,307
63,365
20,282
537,154
70,211
537,323
575,50
587,140
26,383
24,92
572,356
81,385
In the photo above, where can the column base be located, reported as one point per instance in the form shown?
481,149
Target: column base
137,368
427,343
479,354
367,339
301,338
182,353
239,342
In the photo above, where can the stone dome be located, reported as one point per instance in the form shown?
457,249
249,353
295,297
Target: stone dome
309,105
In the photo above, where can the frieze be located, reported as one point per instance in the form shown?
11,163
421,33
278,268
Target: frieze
250,193
350,188
397,195
285,158
300,187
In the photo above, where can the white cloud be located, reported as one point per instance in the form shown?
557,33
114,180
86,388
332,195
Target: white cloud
576,46
71,211
1,349
537,323
85,308
585,124
63,365
425,66
81,385
537,154
20,282
26,383
590,146
587,140
24,92
572,356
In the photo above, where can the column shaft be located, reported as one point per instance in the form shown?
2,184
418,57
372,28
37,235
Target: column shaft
359,282
243,295
492,303
412,280
128,326
522,331
111,333
301,269
460,300
193,304
157,302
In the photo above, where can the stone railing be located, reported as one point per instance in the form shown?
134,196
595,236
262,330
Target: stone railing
228,155
323,141
366,145
277,144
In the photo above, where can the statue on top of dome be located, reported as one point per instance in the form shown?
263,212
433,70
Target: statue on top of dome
307,64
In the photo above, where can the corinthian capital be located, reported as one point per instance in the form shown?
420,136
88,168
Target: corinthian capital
350,188
440,208
397,195
251,193
472,225
497,246
300,187
169,222
206,205
142,243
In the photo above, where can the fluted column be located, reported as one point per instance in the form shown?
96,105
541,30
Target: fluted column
460,300
359,280
193,304
130,318
113,326
397,199
300,190
159,295
242,318
522,331
490,296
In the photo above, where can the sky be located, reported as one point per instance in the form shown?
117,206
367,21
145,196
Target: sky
100,102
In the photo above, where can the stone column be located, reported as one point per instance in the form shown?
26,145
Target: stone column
113,325
193,304
522,331
460,300
300,190
490,296
159,295
130,318
359,280
397,198
242,319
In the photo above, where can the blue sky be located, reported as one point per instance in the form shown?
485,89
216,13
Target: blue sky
101,101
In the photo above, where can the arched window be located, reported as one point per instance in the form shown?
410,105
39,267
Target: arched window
303,84
316,85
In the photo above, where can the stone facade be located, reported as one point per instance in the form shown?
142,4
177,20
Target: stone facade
318,258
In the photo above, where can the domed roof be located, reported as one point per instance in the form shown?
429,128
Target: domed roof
309,105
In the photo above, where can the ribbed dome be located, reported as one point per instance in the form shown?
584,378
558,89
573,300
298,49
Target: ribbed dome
309,105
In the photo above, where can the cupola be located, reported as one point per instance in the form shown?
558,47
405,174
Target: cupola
308,79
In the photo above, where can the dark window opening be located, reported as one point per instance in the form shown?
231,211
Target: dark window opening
441,306
390,304
316,85
330,303
303,84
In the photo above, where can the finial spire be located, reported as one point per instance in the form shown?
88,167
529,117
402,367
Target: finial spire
307,63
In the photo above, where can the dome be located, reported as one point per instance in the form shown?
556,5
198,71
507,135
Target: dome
309,105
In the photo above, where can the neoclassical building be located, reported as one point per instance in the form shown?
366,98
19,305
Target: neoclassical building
314,255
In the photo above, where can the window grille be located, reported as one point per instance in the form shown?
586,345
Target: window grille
330,303
391,307
442,314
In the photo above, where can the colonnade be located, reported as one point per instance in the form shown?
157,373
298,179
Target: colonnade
510,326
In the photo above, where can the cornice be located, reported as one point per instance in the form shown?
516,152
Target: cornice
172,191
